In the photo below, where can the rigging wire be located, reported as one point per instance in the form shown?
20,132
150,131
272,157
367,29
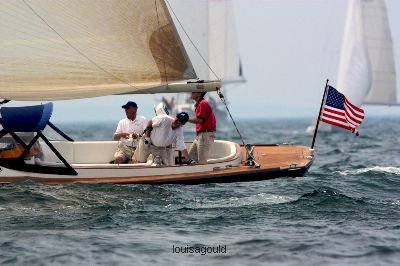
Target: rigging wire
249,149
222,97
76,49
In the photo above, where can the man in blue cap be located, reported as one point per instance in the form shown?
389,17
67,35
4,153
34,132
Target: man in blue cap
164,132
127,133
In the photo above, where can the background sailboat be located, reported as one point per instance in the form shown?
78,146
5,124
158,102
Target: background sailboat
367,73
211,42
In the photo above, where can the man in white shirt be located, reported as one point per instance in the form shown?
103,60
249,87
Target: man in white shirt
164,132
127,132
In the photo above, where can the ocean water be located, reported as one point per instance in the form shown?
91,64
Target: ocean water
345,211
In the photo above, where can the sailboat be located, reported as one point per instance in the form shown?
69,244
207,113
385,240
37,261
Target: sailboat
70,49
367,72
212,39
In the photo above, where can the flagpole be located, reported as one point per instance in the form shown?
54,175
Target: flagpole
319,115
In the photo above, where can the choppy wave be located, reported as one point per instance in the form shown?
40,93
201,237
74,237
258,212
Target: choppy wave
323,193
329,198
253,200
375,169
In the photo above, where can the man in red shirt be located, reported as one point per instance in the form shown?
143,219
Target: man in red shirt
205,128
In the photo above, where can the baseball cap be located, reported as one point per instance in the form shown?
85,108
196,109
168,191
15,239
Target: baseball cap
129,104
183,117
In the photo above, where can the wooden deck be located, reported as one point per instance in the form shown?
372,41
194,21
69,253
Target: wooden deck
275,161
273,156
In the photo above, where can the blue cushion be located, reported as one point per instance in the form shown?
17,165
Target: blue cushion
26,118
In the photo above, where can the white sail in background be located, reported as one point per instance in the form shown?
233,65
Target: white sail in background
209,37
224,48
367,69
367,73
354,73
66,49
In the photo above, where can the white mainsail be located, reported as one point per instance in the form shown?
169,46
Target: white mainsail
67,49
367,73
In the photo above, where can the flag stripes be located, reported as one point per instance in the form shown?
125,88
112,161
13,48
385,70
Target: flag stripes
340,112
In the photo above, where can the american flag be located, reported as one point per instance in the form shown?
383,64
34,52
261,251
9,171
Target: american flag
338,111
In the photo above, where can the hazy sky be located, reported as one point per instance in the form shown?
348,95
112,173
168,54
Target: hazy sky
288,49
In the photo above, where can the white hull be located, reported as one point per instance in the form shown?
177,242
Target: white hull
91,159
273,161
123,170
